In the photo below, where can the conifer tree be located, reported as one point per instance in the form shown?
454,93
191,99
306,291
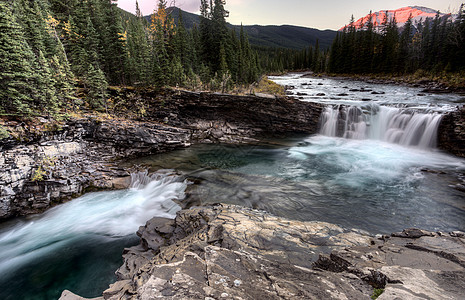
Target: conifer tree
97,88
138,50
115,52
16,74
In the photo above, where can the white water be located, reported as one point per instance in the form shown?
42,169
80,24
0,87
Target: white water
111,214
389,124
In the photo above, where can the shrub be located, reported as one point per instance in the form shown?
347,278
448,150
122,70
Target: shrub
3,133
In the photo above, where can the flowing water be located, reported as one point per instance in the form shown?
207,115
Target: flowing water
78,245
373,166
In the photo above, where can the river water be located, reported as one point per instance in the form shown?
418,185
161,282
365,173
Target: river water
78,245
373,166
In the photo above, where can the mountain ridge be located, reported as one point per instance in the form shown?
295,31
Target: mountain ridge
276,36
418,14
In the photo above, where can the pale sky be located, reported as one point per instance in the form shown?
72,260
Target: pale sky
321,14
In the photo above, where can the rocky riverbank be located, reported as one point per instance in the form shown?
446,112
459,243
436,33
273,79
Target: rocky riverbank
231,252
451,137
40,168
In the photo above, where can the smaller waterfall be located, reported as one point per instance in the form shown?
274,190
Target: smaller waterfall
389,124
111,214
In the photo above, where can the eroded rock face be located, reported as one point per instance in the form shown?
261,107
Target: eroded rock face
451,136
225,117
231,252
82,154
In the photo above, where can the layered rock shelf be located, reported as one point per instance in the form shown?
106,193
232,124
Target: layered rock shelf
232,252
41,168
83,153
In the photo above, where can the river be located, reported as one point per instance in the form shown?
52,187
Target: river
373,166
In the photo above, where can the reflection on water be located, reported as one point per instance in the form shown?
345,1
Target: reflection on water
370,185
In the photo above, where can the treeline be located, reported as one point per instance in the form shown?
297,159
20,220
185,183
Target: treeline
278,60
50,49
435,44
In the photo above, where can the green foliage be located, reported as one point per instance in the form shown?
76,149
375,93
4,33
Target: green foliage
16,72
50,47
97,88
4,133
377,293
436,45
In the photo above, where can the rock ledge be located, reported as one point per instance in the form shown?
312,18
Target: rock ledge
231,252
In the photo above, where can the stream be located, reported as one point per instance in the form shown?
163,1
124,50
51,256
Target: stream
373,166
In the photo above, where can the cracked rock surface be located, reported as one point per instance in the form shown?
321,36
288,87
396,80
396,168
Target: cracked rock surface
231,252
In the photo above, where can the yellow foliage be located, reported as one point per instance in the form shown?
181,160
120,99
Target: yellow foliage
123,37
38,174
160,20
267,86
69,31
52,23
47,163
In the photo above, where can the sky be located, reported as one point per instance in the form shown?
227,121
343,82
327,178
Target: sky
321,14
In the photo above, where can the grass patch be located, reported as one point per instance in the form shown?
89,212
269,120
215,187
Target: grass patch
267,86
3,133
377,293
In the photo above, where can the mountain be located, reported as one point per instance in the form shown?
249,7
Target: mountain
284,36
418,13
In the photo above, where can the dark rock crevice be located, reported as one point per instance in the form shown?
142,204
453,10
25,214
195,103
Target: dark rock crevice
451,135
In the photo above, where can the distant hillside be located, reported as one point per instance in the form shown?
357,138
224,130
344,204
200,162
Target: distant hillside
285,36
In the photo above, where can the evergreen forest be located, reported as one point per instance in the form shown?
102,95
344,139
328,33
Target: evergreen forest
58,56
435,45
50,49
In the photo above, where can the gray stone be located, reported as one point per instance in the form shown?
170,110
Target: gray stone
67,295
231,252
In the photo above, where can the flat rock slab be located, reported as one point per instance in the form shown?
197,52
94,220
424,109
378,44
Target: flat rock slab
227,251
231,252
414,264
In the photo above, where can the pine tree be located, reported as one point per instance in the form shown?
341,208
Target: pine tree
206,36
115,52
405,46
16,74
182,47
97,88
138,50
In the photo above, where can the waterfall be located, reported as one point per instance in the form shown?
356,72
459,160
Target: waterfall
389,124
110,214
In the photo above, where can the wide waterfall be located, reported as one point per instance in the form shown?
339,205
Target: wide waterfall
390,124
